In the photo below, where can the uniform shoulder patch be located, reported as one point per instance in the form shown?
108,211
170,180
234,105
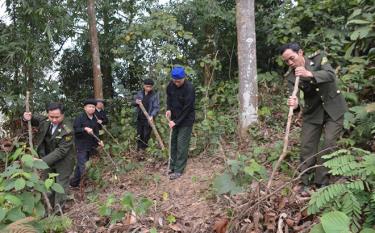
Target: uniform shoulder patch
68,138
314,54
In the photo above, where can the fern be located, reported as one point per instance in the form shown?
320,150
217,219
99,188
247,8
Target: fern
327,195
356,196
352,208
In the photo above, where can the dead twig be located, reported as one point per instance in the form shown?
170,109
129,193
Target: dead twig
248,207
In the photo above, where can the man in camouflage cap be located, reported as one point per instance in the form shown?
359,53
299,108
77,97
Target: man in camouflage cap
323,110
54,145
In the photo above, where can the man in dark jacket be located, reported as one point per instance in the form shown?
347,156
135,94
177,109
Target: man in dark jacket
181,112
85,126
54,144
324,106
150,100
100,113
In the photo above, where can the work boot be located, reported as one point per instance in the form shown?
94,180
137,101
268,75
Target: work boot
175,175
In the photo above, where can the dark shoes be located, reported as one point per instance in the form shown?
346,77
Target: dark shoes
175,175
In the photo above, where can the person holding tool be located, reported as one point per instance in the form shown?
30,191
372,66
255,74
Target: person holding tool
324,107
54,145
86,131
181,116
150,100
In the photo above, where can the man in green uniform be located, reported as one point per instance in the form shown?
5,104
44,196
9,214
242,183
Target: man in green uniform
54,145
324,107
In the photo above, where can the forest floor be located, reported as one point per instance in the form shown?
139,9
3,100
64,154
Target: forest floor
187,204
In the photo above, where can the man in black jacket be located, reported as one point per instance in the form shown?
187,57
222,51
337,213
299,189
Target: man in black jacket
85,126
181,112
100,113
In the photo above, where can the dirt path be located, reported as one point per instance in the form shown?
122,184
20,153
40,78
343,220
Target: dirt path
188,199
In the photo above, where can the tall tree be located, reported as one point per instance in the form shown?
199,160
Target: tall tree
98,82
248,90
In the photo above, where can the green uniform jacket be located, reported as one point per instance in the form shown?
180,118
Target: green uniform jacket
321,93
60,144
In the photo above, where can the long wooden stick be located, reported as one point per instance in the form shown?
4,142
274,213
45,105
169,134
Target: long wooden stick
106,130
286,137
169,147
29,129
152,126
105,152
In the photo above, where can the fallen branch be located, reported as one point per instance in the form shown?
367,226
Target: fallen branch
248,207
286,138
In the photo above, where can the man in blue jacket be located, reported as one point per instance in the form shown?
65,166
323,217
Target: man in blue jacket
150,100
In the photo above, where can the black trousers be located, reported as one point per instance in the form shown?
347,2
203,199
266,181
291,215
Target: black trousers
144,133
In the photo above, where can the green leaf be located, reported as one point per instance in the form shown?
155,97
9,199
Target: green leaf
318,228
51,175
17,153
360,33
48,183
13,199
358,21
367,230
224,184
117,216
19,184
15,214
127,201
143,206
28,200
335,222
27,160
153,230
2,213
104,210
171,219
58,188
40,164
39,209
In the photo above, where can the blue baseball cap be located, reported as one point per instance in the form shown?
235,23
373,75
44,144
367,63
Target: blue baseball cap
178,72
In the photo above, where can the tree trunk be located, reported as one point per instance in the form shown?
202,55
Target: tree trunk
248,90
98,82
107,56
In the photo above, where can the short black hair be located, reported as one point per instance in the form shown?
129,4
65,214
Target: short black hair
148,82
54,106
293,46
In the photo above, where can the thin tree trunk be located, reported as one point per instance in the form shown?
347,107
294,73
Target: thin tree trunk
107,55
98,82
248,90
